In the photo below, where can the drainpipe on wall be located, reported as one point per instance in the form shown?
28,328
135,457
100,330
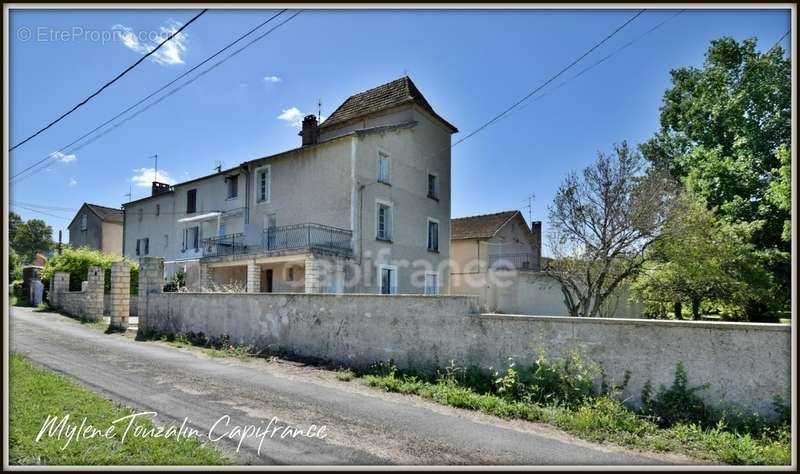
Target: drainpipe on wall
246,172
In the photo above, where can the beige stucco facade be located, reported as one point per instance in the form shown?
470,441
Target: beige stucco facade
331,184
87,229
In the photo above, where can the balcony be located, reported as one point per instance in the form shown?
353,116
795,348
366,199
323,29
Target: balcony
281,240
513,261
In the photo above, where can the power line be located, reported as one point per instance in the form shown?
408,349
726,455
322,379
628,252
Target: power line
41,206
548,81
181,76
119,76
781,39
600,61
42,212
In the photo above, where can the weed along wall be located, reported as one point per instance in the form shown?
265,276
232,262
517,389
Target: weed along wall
745,365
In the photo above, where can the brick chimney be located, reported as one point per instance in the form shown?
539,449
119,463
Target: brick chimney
160,188
310,132
536,243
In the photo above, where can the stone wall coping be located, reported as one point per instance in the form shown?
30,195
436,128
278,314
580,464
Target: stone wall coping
327,295
641,322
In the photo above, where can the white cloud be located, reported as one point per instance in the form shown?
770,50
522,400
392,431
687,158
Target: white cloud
272,79
144,177
73,181
58,156
294,118
144,42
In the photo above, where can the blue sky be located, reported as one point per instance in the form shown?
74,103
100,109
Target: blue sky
469,64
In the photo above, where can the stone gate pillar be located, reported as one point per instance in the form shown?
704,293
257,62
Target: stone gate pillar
59,284
94,294
120,294
151,281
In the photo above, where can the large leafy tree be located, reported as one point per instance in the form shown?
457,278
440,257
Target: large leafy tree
30,236
602,222
698,259
725,133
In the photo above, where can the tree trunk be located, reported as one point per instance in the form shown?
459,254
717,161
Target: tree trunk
678,310
696,309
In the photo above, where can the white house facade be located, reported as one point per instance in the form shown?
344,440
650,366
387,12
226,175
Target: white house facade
363,206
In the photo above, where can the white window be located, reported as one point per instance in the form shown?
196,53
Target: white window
263,184
433,235
191,238
143,246
84,222
232,186
387,279
431,283
383,221
383,167
433,186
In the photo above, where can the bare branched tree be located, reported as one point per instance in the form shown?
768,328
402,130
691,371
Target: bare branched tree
601,223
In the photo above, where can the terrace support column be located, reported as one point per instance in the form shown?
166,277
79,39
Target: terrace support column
205,277
120,295
94,293
151,282
312,272
253,277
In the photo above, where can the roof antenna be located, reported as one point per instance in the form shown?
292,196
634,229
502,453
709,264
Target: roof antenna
218,166
530,208
319,110
129,194
155,175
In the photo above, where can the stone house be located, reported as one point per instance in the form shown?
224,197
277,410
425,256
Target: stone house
97,227
361,206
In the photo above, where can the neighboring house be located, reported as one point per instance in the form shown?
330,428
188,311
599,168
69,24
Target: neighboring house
97,227
498,240
366,194
498,258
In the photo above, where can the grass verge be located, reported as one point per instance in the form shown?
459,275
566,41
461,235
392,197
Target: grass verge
601,418
36,393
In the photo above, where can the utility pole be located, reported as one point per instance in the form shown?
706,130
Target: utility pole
59,241
319,110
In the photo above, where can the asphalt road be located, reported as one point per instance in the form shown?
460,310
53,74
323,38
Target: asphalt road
363,426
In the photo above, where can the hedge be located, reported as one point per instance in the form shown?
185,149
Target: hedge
76,262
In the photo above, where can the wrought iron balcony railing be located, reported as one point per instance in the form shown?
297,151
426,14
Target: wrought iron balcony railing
283,238
232,244
304,236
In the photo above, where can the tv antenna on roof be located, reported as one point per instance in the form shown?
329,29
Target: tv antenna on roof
319,110
129,194
155,173
218,166
530,207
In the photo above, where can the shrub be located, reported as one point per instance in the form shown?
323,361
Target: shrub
177,282
76,262
568,381
679,403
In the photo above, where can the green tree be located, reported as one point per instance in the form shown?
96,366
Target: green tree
14,266
30,236
726,134
699,258
76,262
14,220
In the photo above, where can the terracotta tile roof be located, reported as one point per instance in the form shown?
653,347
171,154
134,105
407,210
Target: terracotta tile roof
479,227
106,214
398,92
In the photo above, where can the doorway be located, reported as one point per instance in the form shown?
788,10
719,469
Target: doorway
266,281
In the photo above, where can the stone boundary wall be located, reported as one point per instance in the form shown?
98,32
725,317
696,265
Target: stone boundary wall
87,303
745,364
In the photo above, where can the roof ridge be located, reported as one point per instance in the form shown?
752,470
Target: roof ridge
486,215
